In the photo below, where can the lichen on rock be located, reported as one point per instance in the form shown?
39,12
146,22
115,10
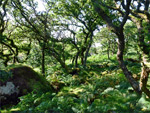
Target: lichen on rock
9,89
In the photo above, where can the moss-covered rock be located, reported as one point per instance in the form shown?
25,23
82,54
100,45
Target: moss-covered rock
23,80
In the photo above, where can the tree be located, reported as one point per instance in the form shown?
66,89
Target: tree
42,25
8,49
116,25
3,25
140,15
108,41
127,9
78,14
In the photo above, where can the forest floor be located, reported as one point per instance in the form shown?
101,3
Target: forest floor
99,88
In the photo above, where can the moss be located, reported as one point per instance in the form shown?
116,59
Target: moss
33,80
5,75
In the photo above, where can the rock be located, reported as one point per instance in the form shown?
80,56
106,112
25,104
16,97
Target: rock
9,89
23,80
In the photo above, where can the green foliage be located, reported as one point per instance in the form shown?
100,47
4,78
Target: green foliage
57,40
77,94
144,103
92,89
88,97
3,38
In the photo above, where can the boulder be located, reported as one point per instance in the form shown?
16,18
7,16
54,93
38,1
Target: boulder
20,81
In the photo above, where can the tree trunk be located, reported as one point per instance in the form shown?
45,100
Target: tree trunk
73,60
76,59
6,61
121,43
87,50
86,55
145,58
63,65
128,74
82,57
43,59
108,49
108,54
57,56
144,76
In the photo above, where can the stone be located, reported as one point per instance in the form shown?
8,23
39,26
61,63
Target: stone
23,80
9,89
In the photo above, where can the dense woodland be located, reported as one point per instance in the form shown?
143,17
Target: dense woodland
93,56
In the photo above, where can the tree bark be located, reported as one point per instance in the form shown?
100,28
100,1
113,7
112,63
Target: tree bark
82,54
108,50
145,57
144,79
127,73
76,59
43,59
88,49
145,74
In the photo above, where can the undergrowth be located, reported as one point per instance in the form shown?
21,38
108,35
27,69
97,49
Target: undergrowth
99,88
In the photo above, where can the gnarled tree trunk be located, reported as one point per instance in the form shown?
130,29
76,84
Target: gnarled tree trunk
118,30
145,75
127,73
